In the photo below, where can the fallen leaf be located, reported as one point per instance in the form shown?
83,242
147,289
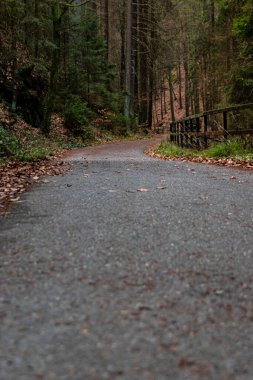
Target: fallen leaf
161,187
143,190
85,331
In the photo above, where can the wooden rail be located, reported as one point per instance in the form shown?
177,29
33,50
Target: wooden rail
196,130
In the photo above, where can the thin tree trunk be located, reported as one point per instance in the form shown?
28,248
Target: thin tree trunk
55,64
164,95
171,96
161,100
212,15
143,62
179,76
14,61
26,31
107,28
130,58
196,96
151,63
128,95
36,40
122,52
186,76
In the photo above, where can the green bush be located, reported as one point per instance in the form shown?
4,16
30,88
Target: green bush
33,154
9,145
78,118
122,125
29,150
231,148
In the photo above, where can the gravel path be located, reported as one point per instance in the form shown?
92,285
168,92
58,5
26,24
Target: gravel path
102,281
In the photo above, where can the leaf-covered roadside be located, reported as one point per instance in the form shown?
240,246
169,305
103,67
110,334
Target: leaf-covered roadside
235,162
16,177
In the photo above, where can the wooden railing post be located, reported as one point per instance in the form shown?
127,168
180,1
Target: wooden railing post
183,133
197,130
191,131
180,134
178,131
225,124
172,131
205,130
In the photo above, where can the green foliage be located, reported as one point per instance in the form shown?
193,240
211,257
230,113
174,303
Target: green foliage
171,150
243,26
243,22
36,153
234,148
88,72
29,149
241,87
68,55
9,145
229,149
122,125
78,118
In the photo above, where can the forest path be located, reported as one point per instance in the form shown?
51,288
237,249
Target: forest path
102,281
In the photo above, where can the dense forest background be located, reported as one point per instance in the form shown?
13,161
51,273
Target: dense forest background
119,64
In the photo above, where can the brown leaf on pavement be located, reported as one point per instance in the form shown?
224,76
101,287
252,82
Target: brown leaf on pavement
16,177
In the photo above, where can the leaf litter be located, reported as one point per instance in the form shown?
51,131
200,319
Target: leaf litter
16,177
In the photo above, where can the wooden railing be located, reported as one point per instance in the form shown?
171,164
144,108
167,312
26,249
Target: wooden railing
197,130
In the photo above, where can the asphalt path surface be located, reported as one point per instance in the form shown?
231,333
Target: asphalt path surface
129,268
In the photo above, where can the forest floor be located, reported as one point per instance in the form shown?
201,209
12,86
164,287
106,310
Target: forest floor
129,267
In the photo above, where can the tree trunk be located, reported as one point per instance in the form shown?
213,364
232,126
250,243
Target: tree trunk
128,95
179,78
14,60
122,49
36,40
164,95
212,15
143,62
107,28
186,76
151,64
130,58
26,30
171,96
55,64
161,100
